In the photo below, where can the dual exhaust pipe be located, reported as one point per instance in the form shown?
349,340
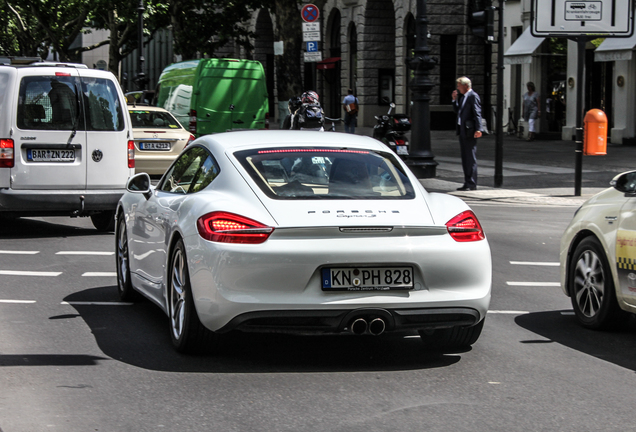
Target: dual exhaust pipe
360,326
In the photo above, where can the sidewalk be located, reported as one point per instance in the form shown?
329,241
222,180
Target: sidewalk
534,172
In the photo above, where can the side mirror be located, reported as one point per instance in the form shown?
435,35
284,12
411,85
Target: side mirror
139,183
626,183
392,105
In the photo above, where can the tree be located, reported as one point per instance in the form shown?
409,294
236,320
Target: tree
203,26
289,30
22,34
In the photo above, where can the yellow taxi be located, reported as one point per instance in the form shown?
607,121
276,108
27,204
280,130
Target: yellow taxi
598,256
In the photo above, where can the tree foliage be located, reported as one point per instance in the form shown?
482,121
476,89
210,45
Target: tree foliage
201,27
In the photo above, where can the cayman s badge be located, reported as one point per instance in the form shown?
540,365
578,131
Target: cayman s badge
97,155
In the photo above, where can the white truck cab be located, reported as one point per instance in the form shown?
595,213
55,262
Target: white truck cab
66,143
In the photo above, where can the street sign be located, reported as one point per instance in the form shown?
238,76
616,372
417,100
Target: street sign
310,13
569,18
311,36
311,27
312,46
313,56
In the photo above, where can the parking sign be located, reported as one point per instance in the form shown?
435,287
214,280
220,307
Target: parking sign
312,46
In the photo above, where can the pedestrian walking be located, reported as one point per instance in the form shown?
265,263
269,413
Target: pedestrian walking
531,110
350,106
467,106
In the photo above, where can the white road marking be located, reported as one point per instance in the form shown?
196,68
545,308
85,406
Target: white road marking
28,273
535,284
96,274
17,301
88,303
84,253
508,312
529,263
15,252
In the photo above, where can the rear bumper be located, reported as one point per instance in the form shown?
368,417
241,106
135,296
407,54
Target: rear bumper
58,202
337,321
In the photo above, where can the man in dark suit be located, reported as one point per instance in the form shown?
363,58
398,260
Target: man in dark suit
467,106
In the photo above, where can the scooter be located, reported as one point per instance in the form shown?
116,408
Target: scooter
391,130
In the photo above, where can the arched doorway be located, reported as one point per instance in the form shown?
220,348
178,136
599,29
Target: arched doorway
352,43
376,59
264,53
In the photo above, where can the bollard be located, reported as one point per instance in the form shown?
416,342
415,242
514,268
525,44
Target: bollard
595,133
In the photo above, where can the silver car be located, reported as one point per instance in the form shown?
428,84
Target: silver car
301,232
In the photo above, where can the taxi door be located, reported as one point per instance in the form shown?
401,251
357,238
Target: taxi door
626,251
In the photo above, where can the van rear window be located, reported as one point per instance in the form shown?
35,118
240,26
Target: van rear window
48,103
104,111
51,103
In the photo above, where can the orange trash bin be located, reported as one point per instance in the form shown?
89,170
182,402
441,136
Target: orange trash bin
595,133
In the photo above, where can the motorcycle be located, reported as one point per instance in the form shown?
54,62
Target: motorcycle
391,130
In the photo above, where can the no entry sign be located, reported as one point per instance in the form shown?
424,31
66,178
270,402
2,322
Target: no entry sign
310,13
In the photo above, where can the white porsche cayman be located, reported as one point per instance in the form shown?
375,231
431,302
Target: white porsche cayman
302,232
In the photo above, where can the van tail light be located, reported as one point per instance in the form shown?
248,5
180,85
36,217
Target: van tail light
131,154
192,138
224,227
193,121
465,227
7,156
267,120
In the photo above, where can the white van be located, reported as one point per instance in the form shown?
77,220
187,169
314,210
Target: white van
62,154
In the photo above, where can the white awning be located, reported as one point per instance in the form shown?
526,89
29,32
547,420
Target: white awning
520,52
615,49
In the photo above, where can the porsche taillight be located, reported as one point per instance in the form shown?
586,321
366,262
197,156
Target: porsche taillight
131,154
465,227
7,155
224,227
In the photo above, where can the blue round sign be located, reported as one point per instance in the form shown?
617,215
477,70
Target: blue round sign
310,13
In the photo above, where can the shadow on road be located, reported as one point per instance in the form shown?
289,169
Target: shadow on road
45,228
618,347
138,335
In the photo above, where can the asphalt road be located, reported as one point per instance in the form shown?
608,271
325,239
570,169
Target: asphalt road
75,359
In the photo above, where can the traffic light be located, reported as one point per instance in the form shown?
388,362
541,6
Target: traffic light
482,23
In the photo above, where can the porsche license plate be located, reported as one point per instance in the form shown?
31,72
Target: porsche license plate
154,146
367,278
50,155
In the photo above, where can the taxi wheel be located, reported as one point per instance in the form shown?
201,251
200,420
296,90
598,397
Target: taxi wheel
452,338
186,331
104,221
591,287
124,285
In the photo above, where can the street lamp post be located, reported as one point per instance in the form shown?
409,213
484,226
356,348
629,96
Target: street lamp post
421,159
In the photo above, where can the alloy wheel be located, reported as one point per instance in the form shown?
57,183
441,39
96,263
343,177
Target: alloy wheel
177,294
589,283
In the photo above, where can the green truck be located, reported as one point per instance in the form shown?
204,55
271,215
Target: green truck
215,95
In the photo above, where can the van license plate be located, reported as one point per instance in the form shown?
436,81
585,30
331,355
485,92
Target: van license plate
367,278
154,146
50,155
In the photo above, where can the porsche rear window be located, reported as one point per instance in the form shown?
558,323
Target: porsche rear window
326,173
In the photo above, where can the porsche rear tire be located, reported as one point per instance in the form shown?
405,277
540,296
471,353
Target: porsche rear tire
452,338
188,335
